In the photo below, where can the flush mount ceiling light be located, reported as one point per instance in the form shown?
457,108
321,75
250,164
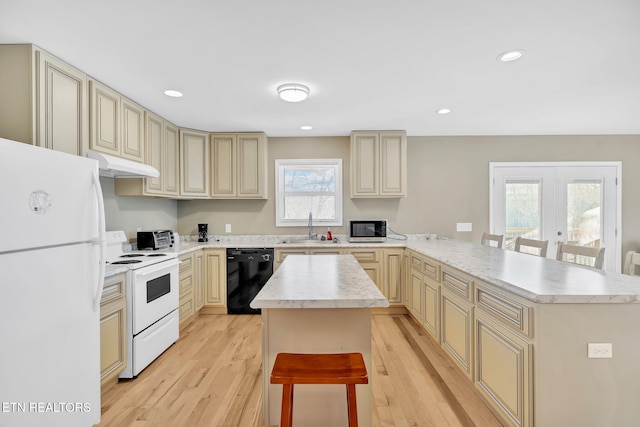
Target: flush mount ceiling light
173,93
443,111
306,127
293,92
511,55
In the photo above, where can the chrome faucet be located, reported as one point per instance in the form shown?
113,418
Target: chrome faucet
310,226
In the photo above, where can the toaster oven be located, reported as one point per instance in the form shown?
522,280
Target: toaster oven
154,240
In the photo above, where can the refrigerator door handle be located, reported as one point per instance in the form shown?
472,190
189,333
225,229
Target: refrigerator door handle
101,240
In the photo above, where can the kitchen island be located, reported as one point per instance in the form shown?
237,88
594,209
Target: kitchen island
317,304
520,327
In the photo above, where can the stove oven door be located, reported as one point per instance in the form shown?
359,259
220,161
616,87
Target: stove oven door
156,293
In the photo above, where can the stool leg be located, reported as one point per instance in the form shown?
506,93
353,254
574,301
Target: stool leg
286,415
351,403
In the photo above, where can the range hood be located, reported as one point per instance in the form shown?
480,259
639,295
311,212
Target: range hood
115,167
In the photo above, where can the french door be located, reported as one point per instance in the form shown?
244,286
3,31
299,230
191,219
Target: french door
576,203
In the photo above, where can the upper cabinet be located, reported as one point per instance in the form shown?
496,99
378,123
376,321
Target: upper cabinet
48,100
117,123
239,166
378,164
194,163
161,152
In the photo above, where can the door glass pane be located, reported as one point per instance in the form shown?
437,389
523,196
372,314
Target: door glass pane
523,210
584,212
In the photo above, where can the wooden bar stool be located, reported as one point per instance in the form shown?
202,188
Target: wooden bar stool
343,368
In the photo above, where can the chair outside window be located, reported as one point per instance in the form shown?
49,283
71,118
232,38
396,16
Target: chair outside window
631,262
494,240
583,255
531,246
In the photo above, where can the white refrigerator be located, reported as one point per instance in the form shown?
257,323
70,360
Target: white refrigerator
51,279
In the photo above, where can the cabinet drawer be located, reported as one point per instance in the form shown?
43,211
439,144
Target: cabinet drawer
186,284
114,288
186,307
432,269
365,255
458,282
506,309
281,255
186,263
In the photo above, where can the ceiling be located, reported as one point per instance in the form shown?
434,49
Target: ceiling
370,64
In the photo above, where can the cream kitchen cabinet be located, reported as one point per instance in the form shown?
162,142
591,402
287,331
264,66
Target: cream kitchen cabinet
44,100
198,276
161,152
113,350
426,285
378,164
187,284
215,278
194,164
116,123
239,166
392,275
370,260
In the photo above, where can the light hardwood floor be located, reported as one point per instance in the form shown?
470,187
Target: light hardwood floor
212,377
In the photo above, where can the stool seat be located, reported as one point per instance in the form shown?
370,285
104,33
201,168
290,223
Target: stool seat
296,368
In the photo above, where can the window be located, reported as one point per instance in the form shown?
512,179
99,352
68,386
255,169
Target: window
308,185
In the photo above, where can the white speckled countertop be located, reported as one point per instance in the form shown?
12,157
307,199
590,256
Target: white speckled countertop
540,280
328,281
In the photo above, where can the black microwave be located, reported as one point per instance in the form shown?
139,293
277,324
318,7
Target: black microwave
367,230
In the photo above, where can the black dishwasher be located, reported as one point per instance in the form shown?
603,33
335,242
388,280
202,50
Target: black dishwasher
247,272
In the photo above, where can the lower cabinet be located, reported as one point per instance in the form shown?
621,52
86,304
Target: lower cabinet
431,304
504,369
187,304
281,254
113,350
198,275
215,277
457,330
392,274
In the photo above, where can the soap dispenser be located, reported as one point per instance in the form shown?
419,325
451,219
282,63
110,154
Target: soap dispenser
329,236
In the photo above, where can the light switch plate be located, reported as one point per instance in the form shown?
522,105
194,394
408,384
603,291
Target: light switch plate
463,226
598,350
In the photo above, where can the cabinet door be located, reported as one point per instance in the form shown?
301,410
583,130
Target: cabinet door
113,348
416,294
132,146
215,277
392,271
223,163
198,280
504,370
154,136
194,163
393,164
457,327
61,97
104,115
406,282
365,164
431,318
252,166
172,156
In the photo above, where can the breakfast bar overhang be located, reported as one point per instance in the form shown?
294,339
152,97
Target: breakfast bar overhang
317,304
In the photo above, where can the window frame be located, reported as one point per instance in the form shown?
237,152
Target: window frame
280,165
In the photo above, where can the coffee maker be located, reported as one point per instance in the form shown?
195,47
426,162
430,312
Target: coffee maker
203,233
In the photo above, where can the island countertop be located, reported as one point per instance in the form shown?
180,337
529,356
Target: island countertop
328,281
540,280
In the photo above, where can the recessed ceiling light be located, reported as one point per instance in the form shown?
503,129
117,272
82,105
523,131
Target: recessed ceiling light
306,127
443,111
173,93
511,55
293,92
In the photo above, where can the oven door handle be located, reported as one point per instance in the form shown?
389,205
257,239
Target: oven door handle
154,269
101,241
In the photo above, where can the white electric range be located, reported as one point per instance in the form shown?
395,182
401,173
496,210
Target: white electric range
152,295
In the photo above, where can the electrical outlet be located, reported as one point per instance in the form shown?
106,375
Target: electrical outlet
227,228
597,350
463,226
